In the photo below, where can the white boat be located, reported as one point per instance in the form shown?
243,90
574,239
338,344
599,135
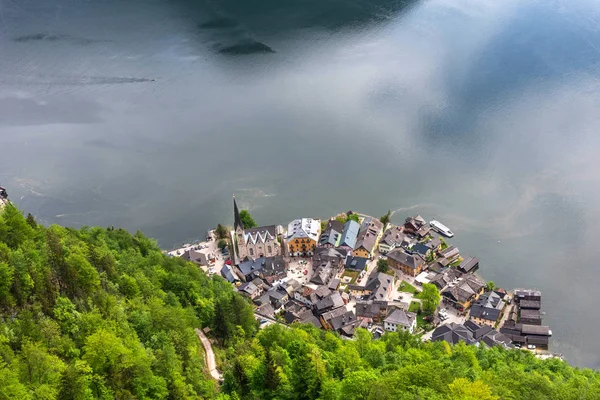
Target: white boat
441,228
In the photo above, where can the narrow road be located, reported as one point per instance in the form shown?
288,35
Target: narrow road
211,363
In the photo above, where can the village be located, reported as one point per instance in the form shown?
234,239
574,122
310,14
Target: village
357,271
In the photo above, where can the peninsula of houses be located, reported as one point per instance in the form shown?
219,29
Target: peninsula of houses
356,271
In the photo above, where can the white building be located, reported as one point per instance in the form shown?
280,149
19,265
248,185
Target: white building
400,320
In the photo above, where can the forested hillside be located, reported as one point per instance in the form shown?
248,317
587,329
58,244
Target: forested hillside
308,363
99,313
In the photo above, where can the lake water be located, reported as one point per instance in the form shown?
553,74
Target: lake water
150,114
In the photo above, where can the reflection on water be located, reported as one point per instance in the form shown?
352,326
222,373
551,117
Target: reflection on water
150,114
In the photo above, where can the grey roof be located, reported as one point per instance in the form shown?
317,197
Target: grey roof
464,290
531,314
527,294
443,279
367,309
449,251
255,266
333,285
399,317
488,306
339,321
530,304
542,330
266,310
349,234
378,285
323,274
307,317
410,260
367,236
333,301
260,234
324,254
453,333
393,236
470,264
420,249
330,236
228,274
356,263
248,287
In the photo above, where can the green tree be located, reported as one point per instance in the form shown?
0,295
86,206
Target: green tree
222,232
222,244
430,297
383,265
354,217
247,219
31,221
490,285
385,219
342,218
357,384
463,389
6,278
272,374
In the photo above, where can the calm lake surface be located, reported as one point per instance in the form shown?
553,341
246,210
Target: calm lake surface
149,114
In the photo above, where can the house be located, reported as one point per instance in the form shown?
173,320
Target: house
470,333
274,270
335,256
449,252
393,238
369,310
464,292
337,318
250,290
439,265
434,244
378,287
530,317
526,334
443,279
252,268
487,309
349,235
419,248
400,320
368,237
254,242
302,236
199,257
266,310
527,294
228,274
304,295
277,297
530,304
349,329
356,263
416,226
469,265
307,317
323,274
410,264
332,234
329,303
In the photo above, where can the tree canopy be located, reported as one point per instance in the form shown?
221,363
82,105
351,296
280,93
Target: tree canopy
383,265
430,297
247,219
385,219
100,313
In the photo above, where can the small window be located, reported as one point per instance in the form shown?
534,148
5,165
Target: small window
251,252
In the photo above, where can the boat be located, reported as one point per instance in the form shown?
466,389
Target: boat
441,228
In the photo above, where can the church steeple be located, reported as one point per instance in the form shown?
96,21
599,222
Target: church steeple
237,221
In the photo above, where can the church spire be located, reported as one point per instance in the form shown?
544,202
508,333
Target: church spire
237,221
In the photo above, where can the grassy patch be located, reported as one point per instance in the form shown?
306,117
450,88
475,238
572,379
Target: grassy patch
417,294
415,306
406,287
350,274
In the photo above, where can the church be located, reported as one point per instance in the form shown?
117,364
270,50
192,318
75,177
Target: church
256,242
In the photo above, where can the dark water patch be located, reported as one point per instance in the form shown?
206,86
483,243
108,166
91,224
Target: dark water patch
251,47
219,23
51,37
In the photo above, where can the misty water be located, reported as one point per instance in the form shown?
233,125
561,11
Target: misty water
150,114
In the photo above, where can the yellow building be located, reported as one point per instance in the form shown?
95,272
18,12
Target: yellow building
369,235
302,236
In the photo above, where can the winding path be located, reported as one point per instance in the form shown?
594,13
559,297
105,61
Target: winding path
211,363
